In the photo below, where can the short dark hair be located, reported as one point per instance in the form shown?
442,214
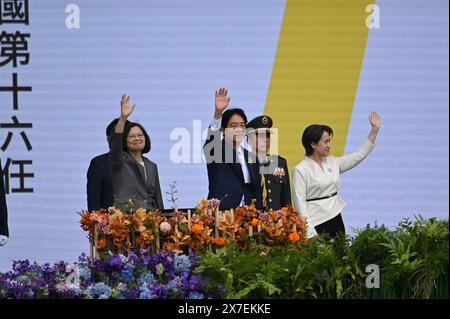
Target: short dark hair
111,126
313,134
126,131
226,116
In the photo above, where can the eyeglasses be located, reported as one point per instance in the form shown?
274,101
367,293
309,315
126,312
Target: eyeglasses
135,137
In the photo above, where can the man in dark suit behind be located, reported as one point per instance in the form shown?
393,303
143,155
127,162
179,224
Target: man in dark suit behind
232,171
4,232
99,180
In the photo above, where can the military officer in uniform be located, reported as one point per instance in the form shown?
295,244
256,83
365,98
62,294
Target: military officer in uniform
274,172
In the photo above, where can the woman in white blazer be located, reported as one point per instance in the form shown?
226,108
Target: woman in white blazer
315,180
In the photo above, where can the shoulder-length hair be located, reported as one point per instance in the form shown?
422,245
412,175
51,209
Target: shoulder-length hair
313,134
126,131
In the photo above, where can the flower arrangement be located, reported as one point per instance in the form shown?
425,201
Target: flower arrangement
142,276
412,258
204,228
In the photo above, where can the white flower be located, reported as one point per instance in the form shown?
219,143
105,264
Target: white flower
165,227
121,286
123,258
70,268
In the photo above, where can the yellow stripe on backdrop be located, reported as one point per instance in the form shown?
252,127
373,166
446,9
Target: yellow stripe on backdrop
316,71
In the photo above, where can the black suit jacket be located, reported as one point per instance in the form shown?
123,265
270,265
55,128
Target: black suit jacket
226,180
99,183
3,208
278,187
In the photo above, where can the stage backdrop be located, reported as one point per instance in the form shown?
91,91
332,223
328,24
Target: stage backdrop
65,64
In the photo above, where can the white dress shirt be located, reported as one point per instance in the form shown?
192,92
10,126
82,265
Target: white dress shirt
310,181
216,124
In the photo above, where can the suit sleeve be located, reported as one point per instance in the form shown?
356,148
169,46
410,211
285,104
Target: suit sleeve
347,162
94,187
286,195
115,149
213,141
299,198
3,207
159,199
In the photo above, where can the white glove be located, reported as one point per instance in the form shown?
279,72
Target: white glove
3,240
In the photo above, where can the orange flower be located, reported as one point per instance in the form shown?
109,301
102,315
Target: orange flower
145,237
219,241
294,237
196,229
254,222
101,243
117,242
285,209
86,221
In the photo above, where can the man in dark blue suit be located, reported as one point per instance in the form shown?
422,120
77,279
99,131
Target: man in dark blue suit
99,180
4,232
233,172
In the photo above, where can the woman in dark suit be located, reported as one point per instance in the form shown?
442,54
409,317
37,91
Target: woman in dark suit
134,176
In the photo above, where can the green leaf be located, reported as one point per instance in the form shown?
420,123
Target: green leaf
244,292
183,228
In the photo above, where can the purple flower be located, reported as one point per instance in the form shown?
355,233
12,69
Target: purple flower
132,293
97,265
194,259
164,258
219,293
146,294
145,279
159,291
115,263
182,263
195,295
21,266
61,267
126,275
100,291
98,277
142,260
191,283
83,259
195,282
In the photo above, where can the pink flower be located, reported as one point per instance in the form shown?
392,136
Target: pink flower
195,219
279,171
177,214
265,217
102,227
165,227
213,203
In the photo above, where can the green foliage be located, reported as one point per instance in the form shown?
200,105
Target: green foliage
413,263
